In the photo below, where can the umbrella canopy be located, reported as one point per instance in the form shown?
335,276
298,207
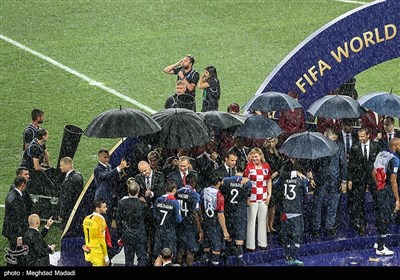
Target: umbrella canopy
383,103
272,101
180,128
257,126
224,120
308,145
335,107
120,123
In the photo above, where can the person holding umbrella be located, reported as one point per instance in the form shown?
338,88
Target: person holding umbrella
259,173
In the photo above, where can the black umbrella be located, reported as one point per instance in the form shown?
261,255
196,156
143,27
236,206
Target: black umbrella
272,101
308,145
224,120
120,123
257,126
180,128
335,107
383,103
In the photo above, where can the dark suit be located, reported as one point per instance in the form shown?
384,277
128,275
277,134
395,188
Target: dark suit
38,253
384,142
177,178
27,198
15,218
206,168
157,187
223,172
169,167
71,188
15,221
241,154
354,139
132,217
359,172
105,179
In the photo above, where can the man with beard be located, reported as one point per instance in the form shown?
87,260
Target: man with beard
30,132
185,72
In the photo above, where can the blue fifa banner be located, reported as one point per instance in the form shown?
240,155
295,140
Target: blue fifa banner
338,51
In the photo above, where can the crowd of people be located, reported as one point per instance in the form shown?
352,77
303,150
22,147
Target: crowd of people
215,201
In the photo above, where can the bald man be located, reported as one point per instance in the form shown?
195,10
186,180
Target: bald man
38,253
151,184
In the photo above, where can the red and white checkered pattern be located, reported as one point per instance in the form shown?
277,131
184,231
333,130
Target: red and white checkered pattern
259,178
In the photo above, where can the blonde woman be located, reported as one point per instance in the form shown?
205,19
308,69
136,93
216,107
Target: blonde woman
259,173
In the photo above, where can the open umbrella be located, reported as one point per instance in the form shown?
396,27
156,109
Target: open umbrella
335,107
272,101
119,123
224,120
308,145
383,103
180,128
257,126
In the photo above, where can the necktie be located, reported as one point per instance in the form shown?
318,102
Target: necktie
184,178
365,151
390,136
347,143
147,183
231,173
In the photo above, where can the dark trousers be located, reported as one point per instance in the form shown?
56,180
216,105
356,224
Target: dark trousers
356,203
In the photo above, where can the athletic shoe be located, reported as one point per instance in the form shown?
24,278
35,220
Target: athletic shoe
384,252
295,263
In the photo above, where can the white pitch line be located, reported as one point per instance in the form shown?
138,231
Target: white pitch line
79,75
352,2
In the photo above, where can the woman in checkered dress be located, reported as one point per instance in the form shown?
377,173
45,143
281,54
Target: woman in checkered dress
259,173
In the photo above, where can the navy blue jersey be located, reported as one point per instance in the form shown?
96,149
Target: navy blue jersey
189,202
166,212
236,195
294,191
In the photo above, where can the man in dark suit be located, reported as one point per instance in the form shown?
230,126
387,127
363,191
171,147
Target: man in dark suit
240,150
151,184
71,188
388,133
172,163
131,225
359,177
15,218
206,164
179,177
348,136
24,172
228,169
105,178
38,253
